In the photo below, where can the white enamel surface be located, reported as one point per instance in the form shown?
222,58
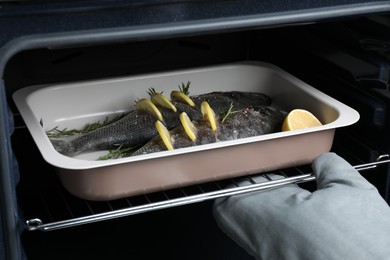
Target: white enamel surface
74,105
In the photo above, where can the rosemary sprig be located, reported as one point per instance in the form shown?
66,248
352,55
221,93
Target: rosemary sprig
57,133
153,92
117,153
228,112
185,88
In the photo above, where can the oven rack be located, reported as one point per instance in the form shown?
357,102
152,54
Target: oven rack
47,206
90,211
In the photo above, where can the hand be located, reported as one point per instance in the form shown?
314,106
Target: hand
345,218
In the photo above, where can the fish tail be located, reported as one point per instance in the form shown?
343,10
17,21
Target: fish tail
64,147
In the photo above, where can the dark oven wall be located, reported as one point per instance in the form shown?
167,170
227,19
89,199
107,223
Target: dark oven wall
349,60
342,58
42,66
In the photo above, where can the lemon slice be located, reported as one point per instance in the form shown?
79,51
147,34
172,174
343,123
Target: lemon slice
179,96
208,114
299,119
145,105
164,134
188,126
160,100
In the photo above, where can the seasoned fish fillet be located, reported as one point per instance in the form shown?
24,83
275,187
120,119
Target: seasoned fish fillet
243,123
137,128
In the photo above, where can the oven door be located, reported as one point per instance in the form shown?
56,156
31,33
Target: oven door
44,42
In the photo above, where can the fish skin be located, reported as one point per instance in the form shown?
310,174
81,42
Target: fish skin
244,123
137,128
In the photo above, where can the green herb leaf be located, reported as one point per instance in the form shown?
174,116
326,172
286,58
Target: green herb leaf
117,153
228,112
57,133
152,92
185,88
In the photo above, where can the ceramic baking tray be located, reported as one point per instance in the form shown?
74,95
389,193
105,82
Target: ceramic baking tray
76,104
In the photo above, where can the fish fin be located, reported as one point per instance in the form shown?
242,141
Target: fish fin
64,147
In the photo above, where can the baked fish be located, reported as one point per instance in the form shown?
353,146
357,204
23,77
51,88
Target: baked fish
137,128
247,122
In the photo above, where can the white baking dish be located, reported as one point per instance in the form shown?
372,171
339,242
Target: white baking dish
74,105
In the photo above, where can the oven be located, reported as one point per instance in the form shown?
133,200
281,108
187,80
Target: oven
341,48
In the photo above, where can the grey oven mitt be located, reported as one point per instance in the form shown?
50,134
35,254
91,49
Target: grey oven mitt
345,218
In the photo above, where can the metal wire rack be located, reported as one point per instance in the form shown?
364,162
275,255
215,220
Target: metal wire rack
48,206
74,211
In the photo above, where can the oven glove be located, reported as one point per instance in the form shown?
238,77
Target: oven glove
345,218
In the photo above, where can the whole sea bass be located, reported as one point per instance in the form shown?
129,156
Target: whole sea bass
137,128
243,123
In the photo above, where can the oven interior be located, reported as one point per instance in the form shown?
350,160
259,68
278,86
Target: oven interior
347,59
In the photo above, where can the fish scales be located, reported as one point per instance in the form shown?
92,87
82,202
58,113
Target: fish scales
244,123
137,128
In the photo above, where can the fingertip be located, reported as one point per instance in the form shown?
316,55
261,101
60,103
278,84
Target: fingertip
330,168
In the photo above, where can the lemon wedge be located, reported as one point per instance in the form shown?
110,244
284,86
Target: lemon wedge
179,96
147,106
164,134
188,126
160,100
208,114
299,119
